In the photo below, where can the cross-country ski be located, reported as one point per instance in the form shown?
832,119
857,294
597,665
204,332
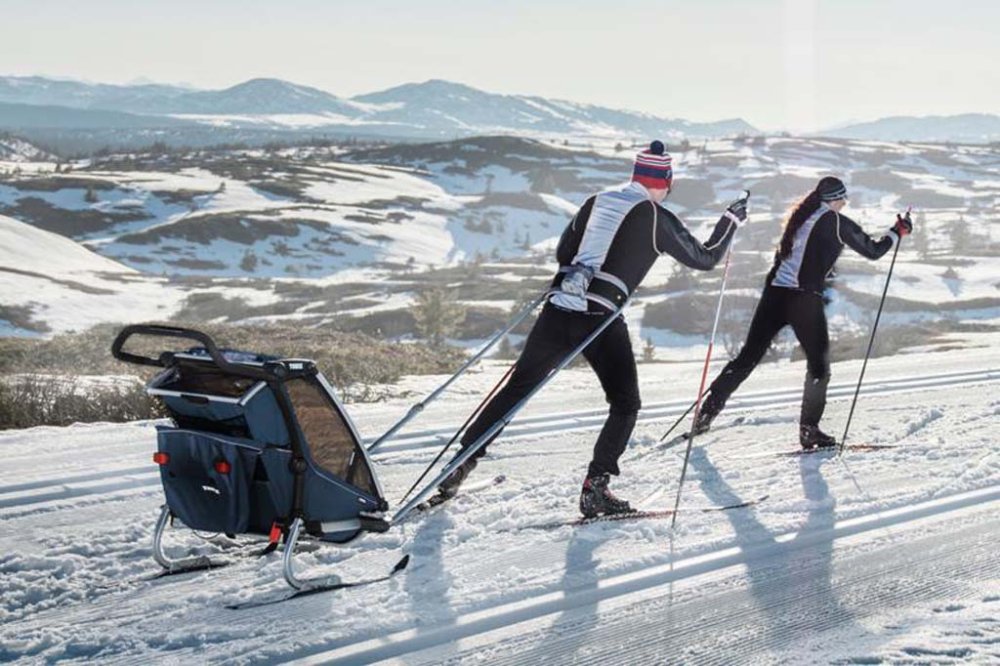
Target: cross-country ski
470,488
789,452
641,514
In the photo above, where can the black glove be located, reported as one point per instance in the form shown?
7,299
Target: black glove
904,225
737,211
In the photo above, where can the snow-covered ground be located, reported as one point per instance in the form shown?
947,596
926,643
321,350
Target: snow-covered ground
70,287
880,557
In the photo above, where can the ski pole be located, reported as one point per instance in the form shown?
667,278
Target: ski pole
502,423
419,407
681,417
704,376
871,341
458,432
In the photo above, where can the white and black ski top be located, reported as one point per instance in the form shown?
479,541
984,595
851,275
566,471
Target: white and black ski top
616,236
817,246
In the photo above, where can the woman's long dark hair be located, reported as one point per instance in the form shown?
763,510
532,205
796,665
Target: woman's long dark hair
800,213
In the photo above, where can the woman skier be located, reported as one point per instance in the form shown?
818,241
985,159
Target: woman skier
604,253
814,235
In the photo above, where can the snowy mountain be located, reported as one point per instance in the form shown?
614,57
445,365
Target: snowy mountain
255,97
430,109
969,128
443,106
42,91
433,108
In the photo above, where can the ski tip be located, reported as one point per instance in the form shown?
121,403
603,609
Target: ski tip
401,564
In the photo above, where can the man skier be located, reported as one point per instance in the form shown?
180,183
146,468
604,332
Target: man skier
814,236
603,255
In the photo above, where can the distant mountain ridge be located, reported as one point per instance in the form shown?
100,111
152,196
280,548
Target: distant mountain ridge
966,127
430,109
433,108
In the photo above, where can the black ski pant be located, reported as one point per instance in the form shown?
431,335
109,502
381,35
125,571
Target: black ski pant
557,333
778,307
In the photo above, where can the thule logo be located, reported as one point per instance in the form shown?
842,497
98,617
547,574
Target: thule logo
211,489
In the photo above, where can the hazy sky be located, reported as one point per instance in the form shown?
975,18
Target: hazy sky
797,64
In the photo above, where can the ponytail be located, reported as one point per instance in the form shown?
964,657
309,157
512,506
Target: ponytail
800,213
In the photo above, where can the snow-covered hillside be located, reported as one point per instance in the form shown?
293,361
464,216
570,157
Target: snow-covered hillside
63,286
329,236
881,557
14,149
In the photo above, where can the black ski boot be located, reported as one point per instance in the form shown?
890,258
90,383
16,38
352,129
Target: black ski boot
811,437
449,487
706,415
597,500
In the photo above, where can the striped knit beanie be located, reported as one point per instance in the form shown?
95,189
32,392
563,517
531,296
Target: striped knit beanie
653,167
831,189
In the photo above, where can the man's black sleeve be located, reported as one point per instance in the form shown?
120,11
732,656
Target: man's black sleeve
855,237
673,238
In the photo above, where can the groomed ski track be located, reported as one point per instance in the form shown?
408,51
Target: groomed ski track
21,497
844,563
714,624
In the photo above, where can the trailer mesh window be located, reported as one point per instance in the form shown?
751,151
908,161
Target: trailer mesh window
330,441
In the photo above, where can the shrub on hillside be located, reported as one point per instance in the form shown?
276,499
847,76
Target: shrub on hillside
33,400
349,360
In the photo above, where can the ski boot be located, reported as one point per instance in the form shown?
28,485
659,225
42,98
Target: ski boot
811,437
449,487
597,500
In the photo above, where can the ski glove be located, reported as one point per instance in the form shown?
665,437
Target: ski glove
737,212
904,225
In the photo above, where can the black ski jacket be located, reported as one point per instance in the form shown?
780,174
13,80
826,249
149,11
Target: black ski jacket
647,232
817,248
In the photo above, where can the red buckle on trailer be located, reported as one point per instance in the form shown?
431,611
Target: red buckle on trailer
222,467
161,458
275,535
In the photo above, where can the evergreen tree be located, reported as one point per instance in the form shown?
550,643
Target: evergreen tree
648,351
961,239
249,261
437,315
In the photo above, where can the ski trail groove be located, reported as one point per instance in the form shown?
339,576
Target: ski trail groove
642,580
551,423
20,495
